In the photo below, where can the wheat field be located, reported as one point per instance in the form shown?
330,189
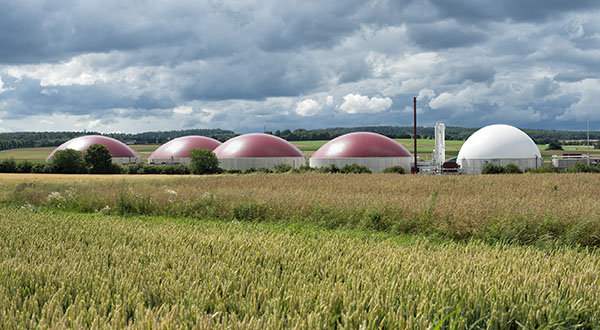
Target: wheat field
96,271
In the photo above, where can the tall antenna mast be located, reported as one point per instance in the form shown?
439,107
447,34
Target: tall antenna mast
587,141
415,168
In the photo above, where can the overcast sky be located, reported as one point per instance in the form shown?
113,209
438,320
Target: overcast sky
133,66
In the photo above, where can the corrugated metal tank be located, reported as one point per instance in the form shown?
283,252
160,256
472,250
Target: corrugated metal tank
258,150
177,151
120,152
375,151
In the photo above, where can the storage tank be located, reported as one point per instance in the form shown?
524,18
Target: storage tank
375,151
120,152
177,151
258,150
500,145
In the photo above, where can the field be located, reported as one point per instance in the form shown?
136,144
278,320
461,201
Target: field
300,251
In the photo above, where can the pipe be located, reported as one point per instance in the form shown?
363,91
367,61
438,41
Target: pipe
415,168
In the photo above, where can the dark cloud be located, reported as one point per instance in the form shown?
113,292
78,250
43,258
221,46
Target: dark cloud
444,35
242,65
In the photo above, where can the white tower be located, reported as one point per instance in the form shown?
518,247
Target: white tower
439,153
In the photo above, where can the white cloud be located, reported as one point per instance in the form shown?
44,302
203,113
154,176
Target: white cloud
426,94
329,101
2,89
183,110
308,107
356,103
77,71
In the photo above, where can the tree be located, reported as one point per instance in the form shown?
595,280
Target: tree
98,159
512,169
68,161
554,145
203,161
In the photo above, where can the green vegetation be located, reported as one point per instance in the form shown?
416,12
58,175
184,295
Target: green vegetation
203,161
555,209
99,161
554,145
68,161
95,271
394,169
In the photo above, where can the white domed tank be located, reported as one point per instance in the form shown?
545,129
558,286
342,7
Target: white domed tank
500,145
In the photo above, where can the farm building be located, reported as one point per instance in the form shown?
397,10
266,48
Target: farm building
121,153
372,150
177,151
499,145
258,150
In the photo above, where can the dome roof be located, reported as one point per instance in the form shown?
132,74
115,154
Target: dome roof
181,146
361,144
256,145
116,148
499,142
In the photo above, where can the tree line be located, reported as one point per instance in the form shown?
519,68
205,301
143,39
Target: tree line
51,139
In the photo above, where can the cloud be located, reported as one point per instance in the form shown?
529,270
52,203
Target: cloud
356,103
249,65
183,110
308,107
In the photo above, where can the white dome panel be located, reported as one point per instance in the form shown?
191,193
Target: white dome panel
499,142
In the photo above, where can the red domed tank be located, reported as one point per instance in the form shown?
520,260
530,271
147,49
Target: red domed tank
257,145
371,150
116,148
258,150
361,144
177,150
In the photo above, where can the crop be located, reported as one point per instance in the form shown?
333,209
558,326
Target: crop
537,209
73,271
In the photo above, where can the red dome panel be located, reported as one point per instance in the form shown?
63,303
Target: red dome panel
257,145
361,144
116,148
180,147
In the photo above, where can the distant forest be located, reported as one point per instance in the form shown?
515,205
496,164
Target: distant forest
51,139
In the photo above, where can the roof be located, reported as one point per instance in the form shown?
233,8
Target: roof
115,147
256,145
181,147
499,142
361,145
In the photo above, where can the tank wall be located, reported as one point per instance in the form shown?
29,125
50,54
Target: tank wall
258,162
126,160
375,164
475,166
169,161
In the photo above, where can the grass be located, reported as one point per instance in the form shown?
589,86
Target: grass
528,209
75,271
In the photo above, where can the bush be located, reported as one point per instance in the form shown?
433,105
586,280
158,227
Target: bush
492,169
203,162
8,166
329,169
394,169
98,159
543,169
580,167
68,161
355,168
24,166
282,168
174,169
41,168
303,169
250,170
233,171
512,169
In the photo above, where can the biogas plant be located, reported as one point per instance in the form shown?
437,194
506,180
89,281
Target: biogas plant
497,144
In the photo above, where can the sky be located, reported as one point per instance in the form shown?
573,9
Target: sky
135,66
